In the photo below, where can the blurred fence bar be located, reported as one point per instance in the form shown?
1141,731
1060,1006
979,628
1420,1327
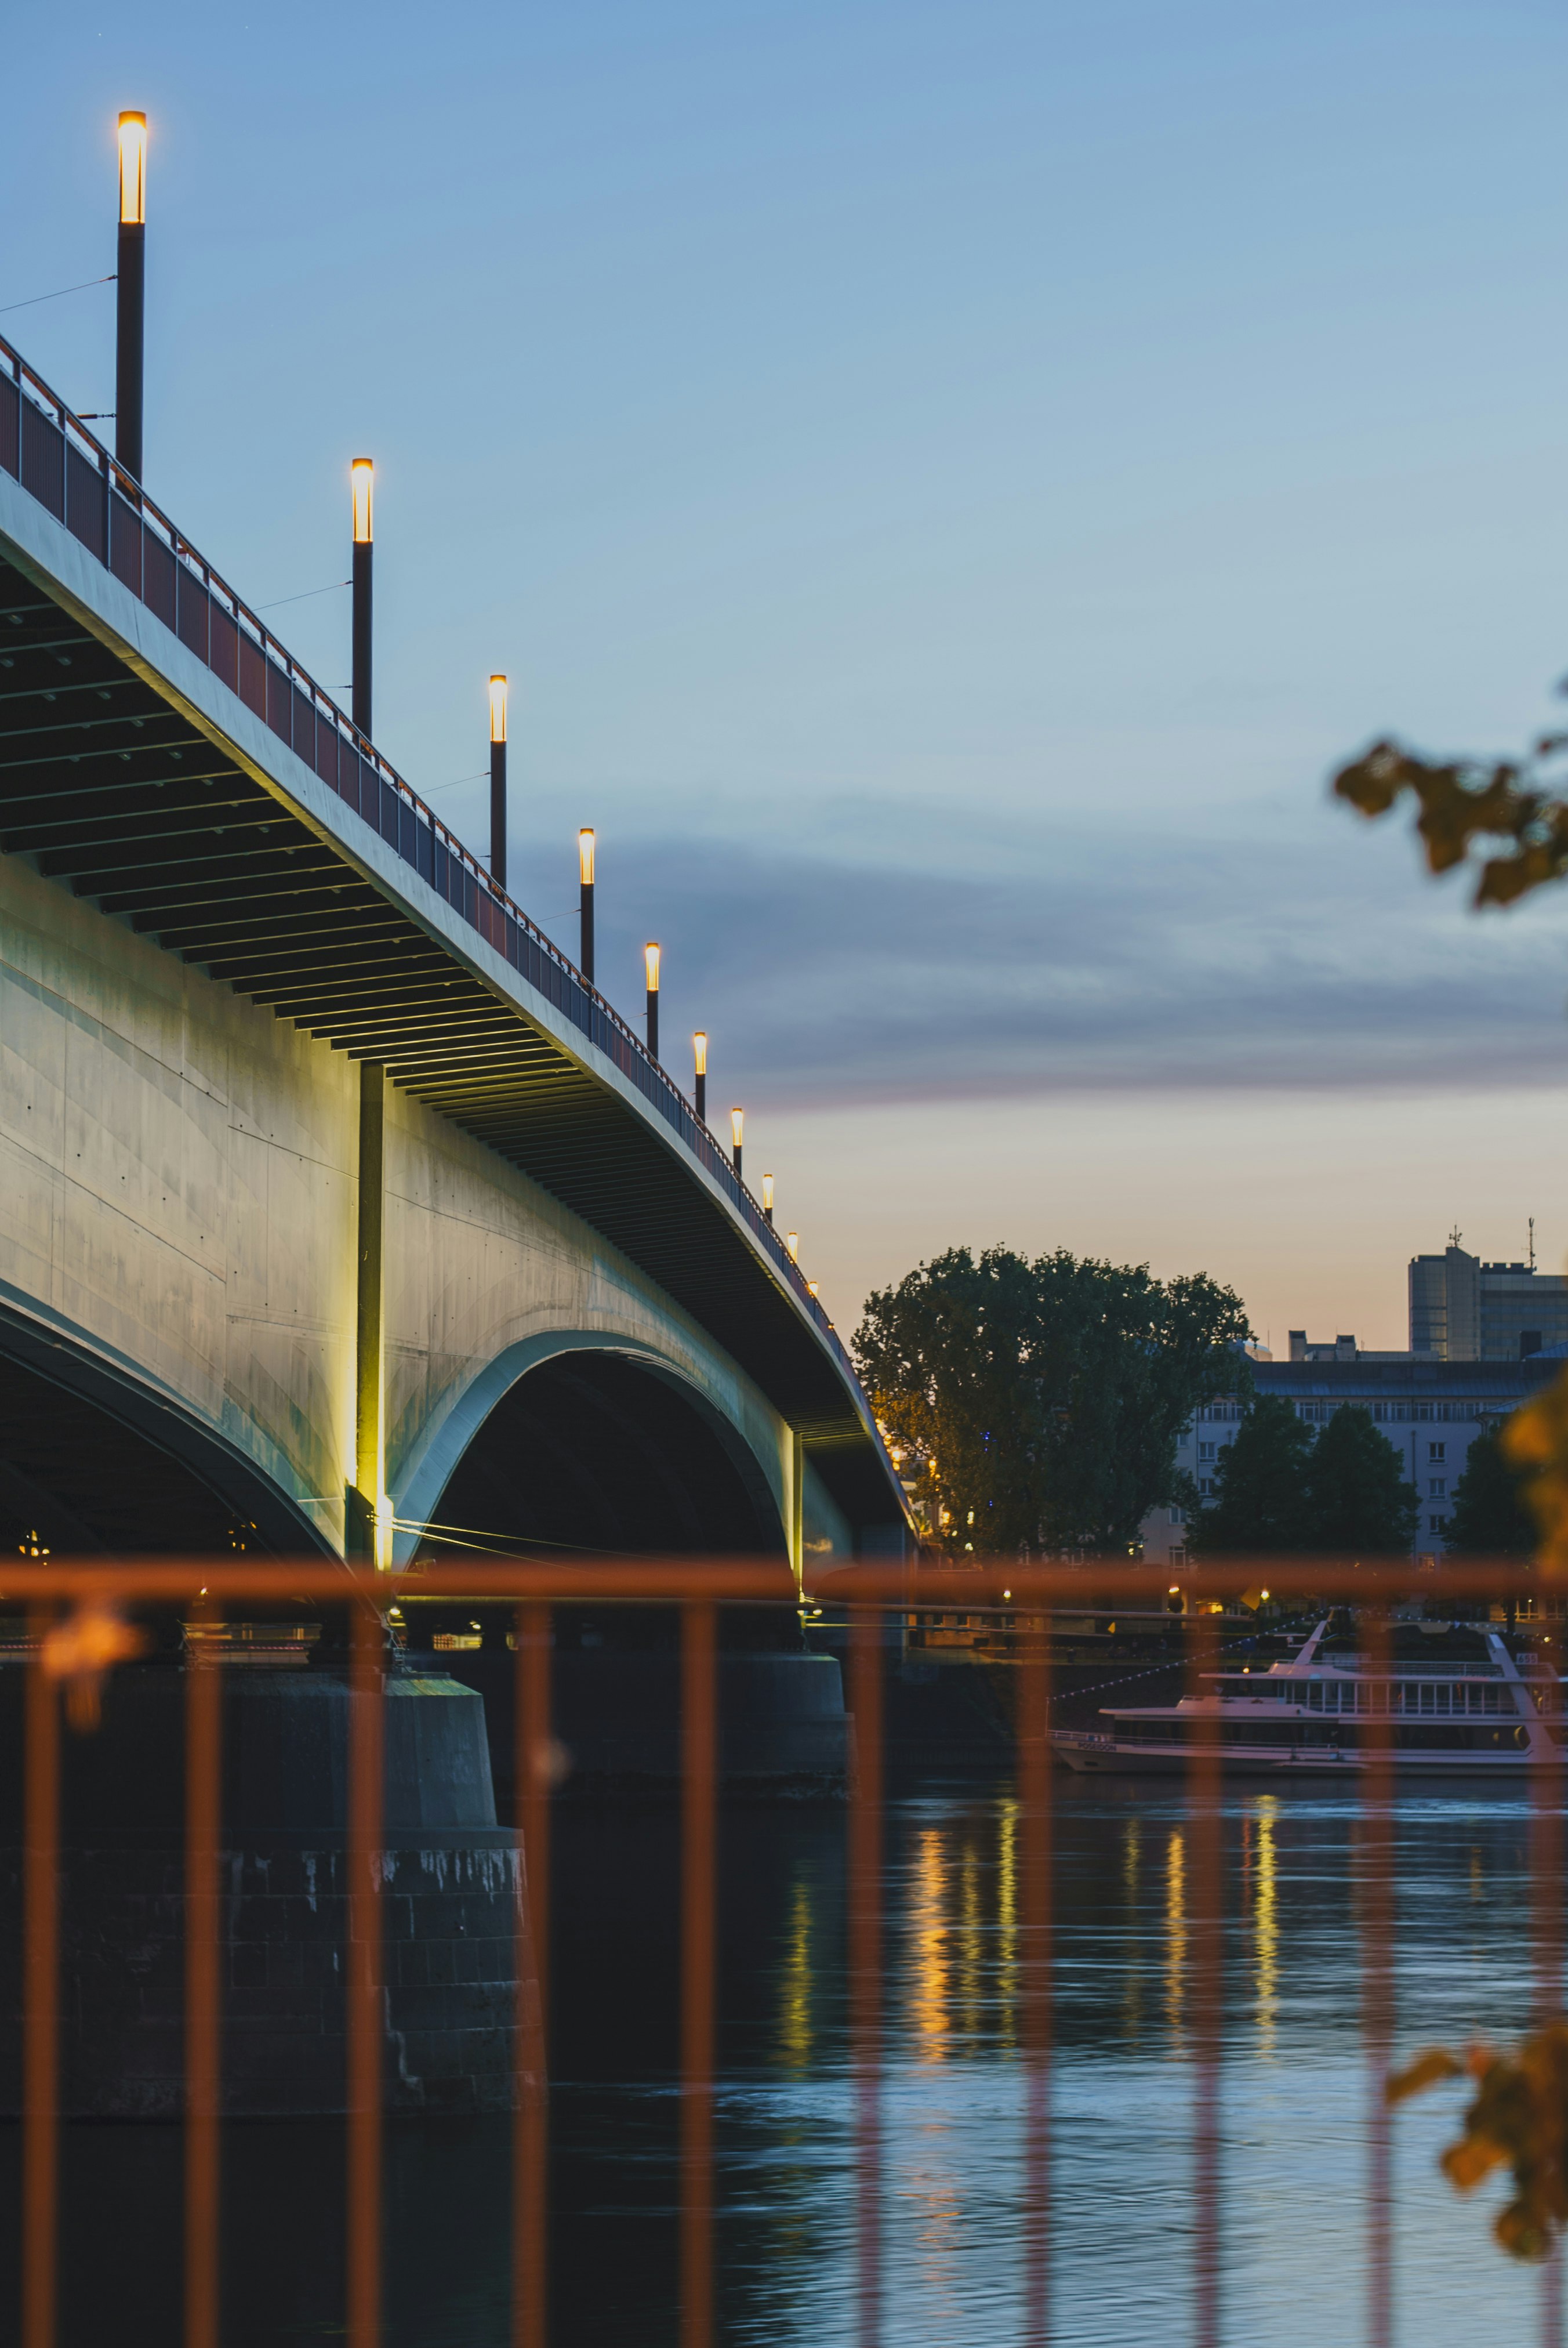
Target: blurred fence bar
67,1602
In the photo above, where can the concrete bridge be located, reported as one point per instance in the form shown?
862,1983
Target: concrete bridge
337,1211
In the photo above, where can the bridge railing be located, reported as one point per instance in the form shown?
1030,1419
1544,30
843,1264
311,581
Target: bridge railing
77,1621
63,464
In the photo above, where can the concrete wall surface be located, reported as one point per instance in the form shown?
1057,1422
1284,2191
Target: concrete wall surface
178,1198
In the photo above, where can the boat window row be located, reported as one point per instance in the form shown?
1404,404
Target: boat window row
1386,1413
1471,1697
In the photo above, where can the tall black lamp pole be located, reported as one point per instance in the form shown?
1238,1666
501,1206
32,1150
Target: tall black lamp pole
498,781
585,902
362,479
130,293
737,1133
650,957
700,1054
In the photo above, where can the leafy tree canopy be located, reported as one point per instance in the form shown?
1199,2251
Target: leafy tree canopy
1489,1519
1279,1489
1040,1404
1357,1503
1260,1505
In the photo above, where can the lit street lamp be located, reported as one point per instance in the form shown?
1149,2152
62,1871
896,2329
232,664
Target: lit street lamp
130,293
362,487
792,1244
737,1134
585,903
650,957
768,1196
498,781
700,1054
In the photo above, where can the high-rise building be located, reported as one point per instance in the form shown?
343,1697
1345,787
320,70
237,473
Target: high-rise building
1462,1310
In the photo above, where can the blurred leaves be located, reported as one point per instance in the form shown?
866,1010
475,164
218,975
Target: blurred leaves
1464,803
1536,1440
1519,2119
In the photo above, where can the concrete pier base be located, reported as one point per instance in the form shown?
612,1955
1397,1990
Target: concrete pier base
451,1895
616,1718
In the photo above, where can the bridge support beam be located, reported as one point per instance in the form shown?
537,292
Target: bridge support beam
365,1536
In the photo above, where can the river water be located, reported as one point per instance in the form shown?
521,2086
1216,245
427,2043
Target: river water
1293,2097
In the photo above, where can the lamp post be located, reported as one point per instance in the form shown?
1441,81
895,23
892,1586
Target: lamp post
362,488
700,1054
130,293
498,781
768,1196
792,1244
650,957
737,1134
585,902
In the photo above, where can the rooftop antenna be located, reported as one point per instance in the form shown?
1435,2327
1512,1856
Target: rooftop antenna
1455,1236
1532,1242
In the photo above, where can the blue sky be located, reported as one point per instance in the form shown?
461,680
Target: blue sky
946,483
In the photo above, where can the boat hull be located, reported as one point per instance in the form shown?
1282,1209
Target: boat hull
1108,1757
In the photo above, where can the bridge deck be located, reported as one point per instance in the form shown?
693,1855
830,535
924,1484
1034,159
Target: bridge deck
162,755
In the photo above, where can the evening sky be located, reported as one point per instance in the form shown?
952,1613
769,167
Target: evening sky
946,483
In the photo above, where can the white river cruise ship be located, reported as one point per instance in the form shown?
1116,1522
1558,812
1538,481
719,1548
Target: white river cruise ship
1475,1715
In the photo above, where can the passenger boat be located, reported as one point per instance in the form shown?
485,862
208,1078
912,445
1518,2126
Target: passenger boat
1478,1715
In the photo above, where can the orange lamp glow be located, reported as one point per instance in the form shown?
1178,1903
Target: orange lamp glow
650,957
133,170
362,478
737,1126
792,1242
498,709
767,1193
585,859
811,1286
700,1052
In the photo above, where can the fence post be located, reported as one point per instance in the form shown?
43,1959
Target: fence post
698,1741
203,1826
41,1998
366,2024
866,1664
530,2126
1034,1725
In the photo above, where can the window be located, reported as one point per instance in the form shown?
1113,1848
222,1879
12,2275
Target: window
1205,1451
1176,1516
1205,1487
1438,1488
1436,1451
1437,1524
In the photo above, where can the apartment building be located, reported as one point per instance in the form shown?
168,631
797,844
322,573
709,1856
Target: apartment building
1428,1410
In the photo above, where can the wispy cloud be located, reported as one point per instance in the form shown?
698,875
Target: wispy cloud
1133,965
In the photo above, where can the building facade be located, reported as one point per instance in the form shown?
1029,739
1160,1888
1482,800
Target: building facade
1462,1310
1429,1411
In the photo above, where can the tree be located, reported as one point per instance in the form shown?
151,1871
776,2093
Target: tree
1357,1503
1040,1404
1489,1519
1260,1505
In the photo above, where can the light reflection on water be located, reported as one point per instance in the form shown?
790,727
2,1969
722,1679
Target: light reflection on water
1294,2096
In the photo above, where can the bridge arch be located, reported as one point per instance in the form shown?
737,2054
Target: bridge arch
96,1457
575,1441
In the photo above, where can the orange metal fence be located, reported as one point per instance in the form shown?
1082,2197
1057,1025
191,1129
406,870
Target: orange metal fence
77,1628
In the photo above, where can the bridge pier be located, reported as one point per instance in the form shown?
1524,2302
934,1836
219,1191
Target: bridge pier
452,1886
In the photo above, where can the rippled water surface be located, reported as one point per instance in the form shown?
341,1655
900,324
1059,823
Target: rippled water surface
1293,2099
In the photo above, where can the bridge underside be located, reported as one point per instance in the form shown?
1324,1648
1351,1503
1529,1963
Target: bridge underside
111,788
593,1451
90,1463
